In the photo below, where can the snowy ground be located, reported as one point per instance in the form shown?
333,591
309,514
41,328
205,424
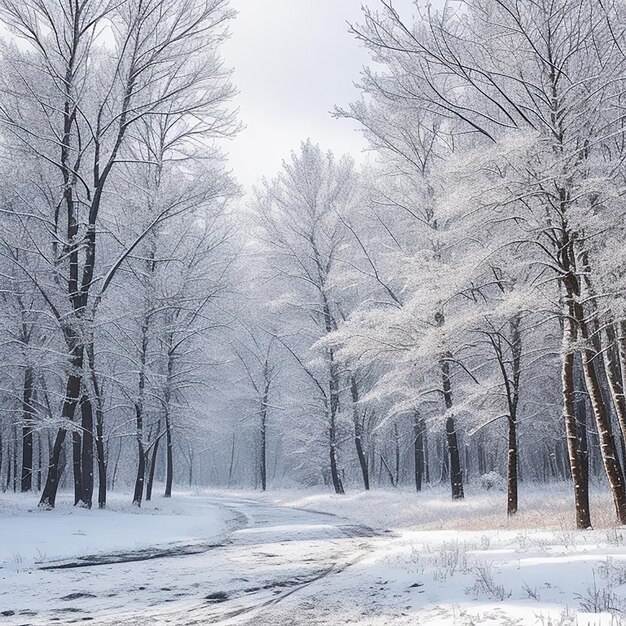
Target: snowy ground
540,507
34,538
246,559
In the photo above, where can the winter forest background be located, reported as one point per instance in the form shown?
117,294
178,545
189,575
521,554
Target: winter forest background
449,311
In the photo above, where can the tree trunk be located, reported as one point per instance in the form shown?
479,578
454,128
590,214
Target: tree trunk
263,456
100,451
580,409
39,461
607,443
8,484
383,463
580,477
512,392
72,393
87,451
580,332
418,450
614,377
603,420
334,472
101,460
333,386
169,449
169,455
139,404
512,467
456,473
27,431
153,462
190,477
426,455
76,463
116,465
262,461
141,471
621,351
15,456
232,462
396,440
358,433
443,458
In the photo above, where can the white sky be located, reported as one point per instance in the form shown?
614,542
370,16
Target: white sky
293,61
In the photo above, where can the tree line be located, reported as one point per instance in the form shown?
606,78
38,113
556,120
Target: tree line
451,310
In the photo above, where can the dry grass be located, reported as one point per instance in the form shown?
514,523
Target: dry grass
541,507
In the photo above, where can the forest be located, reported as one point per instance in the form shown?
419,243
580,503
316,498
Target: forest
450,311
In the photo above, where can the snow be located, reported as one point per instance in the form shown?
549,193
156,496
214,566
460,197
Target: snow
32,537
470,564
541,506
308,558
499,577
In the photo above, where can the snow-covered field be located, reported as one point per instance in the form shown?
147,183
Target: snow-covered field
465,562
286,558
31,537
540,506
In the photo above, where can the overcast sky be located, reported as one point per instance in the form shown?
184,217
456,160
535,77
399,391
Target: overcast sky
293,61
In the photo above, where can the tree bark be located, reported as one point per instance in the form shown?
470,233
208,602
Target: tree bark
332,430
602,417
512,461
580,408
39,461
100,456
116,465
100,448
76,463
72,394
456,473
358,433
396,441
27,431
9,466
614,376
87,451
580,477
169,447
139,403
511,385
169,456
418,450
231,467
263,455
153,462
141,471
426,455
334,470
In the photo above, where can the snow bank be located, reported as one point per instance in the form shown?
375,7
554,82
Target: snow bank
32,536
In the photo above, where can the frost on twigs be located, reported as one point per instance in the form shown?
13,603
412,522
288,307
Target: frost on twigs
492,481
485,583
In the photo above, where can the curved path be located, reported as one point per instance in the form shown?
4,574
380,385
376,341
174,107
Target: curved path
270,553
